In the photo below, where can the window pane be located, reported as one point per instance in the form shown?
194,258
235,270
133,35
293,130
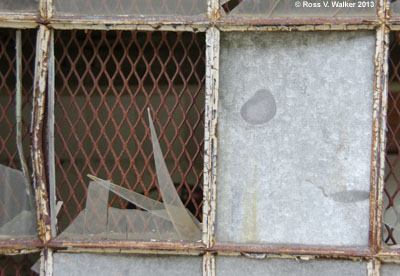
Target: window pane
395,8
104,83
19,6
17,210
390,269
106,264
294,137
18,265
237,266
391,198
135,7
284,8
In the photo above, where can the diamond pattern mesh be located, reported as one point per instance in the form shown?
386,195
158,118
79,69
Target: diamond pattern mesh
8,148
17,265
104,82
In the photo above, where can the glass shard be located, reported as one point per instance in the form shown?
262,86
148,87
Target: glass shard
169,220
18,215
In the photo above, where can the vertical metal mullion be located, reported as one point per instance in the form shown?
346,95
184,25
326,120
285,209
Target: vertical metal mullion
38,108
378,137
209,264
373,267
210,139
45,9
50,138
213,11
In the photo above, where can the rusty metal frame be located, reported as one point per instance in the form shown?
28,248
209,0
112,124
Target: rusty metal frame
212,23
39,177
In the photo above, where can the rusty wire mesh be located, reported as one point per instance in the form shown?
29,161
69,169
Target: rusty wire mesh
8,148
392,166
17,265
104,82
135,7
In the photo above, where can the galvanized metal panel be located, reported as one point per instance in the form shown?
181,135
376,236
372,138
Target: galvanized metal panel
301,173
390,269
237,266
109,264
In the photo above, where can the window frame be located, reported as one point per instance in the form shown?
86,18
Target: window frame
45,21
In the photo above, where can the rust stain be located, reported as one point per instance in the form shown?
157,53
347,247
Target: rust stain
39,177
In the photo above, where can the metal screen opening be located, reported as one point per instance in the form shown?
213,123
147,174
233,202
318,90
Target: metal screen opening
392,167
104,82
13,185
18,265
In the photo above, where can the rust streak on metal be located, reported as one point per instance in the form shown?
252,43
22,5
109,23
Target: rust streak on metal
378,137
210,139
39,177
127,245
294,250
254,21
298,27
132,27
136,20
131,251
19,251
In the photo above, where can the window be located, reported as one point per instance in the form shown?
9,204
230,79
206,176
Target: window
259,124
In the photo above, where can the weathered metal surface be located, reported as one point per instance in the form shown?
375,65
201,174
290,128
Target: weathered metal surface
286,250
210,139
138,27
373,267
378,136
208,264
389,269
260,266
298,178
39,175
113,264
60,244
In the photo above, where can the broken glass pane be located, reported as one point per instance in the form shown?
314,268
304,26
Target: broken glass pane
312,8
113,264
18,214
238,266
294,137
167,220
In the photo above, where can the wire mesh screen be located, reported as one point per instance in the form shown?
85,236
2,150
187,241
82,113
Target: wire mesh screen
104,81
392,166
12,194
135,7
18,265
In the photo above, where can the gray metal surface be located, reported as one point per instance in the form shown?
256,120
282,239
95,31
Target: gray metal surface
238,266
304,175
390,269
114,264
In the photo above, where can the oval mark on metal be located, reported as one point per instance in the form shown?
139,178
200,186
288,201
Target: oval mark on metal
260,108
